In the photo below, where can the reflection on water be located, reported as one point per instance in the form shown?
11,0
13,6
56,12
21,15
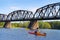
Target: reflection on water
39,38
22,34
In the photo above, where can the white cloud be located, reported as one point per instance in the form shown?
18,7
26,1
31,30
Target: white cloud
13,8
33,9
7,10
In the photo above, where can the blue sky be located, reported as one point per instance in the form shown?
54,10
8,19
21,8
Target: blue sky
7,6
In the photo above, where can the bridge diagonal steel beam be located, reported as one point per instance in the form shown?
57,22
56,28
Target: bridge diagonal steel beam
3,17
51,11
48,12
20,15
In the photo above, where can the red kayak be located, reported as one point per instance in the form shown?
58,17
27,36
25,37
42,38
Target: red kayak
37,34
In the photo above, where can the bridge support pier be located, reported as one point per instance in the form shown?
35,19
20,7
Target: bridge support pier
7,25
33,24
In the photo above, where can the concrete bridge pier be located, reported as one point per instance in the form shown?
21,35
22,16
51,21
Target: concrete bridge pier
33,24
7,25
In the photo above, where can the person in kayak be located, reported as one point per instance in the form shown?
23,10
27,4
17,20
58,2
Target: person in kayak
36,30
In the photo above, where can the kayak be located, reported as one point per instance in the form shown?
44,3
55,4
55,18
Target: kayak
37,34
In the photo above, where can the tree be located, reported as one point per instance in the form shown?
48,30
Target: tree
44,25
55,24
25,24
1,24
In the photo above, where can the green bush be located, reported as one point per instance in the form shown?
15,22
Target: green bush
44,25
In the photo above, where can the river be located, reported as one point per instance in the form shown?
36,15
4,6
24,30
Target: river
22,34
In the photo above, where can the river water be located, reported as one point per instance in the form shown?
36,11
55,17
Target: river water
22,34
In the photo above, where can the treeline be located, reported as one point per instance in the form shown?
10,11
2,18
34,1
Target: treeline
42,25
50,25
55,24
20,25
1,24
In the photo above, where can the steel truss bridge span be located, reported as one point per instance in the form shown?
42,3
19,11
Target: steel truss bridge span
48,12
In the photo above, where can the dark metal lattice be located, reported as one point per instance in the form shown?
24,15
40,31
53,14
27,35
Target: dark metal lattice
51,11
3,17
20,15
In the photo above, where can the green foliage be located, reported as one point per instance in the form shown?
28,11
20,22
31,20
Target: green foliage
55,24
25,24
44,25
20,25
16,25
1,24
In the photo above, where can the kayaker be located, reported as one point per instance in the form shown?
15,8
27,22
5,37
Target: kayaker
36,30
